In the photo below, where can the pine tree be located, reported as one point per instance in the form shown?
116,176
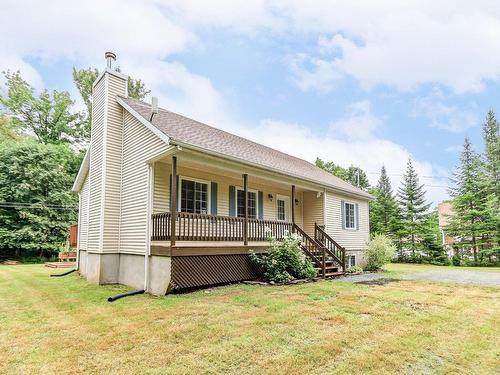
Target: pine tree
491,164
384,210
432,241
414,209
469,199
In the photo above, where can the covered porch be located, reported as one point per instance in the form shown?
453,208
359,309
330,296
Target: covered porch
207,215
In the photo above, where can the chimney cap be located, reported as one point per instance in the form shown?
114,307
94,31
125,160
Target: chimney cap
110,57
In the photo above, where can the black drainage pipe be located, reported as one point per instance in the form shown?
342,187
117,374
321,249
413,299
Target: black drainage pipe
132,293
62,274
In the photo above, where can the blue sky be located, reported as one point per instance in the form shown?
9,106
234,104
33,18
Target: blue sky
352,82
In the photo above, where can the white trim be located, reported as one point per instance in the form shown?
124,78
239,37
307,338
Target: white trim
78,229
104,164
194,179
288,203
143,121
236,188
82,172
112,72
345,215
349,256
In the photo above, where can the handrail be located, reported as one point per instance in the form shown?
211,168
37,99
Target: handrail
206,227
332,247
310,247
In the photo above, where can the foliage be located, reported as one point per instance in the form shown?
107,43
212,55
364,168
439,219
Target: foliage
37,202
432,242
413,208
8,132
354,269
48,116
384,209
85,78
379,251
284,261
347,174
469,199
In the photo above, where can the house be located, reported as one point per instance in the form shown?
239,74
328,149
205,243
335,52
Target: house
168,202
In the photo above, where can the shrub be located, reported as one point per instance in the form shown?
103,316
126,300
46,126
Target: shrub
354,269
284,261
380,251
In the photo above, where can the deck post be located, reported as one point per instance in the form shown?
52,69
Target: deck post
245,207
293,208
173,202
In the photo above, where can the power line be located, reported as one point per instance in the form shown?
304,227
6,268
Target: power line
37,205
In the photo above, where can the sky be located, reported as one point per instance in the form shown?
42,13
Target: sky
359,83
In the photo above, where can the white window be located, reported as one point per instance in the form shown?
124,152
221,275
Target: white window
282,208
252,204
351,261
349,215
194,196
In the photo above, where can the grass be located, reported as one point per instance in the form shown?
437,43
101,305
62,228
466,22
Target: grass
65,325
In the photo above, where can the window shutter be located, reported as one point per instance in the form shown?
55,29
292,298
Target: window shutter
213,198
232,201
261,205
357,216
342,213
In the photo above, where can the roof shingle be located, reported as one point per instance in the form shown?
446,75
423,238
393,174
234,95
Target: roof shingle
185,130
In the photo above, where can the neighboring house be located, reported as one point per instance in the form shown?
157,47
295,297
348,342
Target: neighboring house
162,200
445,211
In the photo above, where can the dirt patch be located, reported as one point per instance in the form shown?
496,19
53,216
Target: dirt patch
381,281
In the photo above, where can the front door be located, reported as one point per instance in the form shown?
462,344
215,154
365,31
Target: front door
282,208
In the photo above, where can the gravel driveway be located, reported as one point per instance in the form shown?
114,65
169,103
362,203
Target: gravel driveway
450,276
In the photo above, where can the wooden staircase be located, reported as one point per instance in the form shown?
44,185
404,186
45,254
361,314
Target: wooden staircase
327,256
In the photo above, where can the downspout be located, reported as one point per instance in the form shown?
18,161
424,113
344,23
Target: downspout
78,228
147,250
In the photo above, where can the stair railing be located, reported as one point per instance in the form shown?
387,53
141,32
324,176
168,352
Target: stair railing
331,246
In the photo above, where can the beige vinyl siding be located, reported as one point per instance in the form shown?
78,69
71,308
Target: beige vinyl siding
313,211
162,190
348,238
83,217
139,145
114,114
96,167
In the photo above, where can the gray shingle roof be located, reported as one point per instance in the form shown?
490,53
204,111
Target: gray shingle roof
185,130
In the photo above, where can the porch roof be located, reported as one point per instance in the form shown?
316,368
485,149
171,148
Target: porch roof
187,132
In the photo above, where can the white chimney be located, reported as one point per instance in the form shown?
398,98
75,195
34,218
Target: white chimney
154,107
110,57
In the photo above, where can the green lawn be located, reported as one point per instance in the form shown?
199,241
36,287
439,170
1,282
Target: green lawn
397,268
65,325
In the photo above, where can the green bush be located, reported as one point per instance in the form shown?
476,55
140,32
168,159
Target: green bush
284,261
354,269
380,251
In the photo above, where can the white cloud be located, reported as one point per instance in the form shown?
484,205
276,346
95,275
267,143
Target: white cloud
443,116
358,123
370,155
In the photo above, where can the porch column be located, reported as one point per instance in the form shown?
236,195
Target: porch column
245,207
293,208
173,201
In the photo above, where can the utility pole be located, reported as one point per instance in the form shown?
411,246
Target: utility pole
357,176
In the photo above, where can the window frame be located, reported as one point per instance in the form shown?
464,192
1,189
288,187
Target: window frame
198,180
287,201
238,188
353,215
350,257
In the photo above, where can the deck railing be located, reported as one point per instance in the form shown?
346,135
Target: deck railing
202,227
335,250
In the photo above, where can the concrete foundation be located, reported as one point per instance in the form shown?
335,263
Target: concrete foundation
126,269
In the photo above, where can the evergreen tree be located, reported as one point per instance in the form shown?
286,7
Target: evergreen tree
469,199
491,186
414,209
432,241
384,210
